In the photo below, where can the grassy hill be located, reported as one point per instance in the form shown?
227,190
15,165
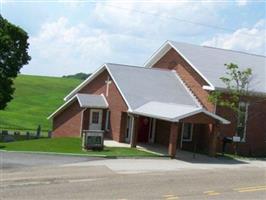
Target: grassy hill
35,98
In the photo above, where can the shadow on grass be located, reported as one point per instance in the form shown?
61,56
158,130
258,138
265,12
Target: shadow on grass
19,138
2,147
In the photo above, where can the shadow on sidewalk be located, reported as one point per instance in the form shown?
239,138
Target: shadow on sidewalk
190,157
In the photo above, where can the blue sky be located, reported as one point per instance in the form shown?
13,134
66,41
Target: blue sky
67,37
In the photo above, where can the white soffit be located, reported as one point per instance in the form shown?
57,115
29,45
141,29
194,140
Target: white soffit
173,112
85,101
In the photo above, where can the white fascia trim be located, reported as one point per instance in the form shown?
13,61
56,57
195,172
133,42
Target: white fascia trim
151,116
202,110
207,87
162,50
120,91
85,82
177,119
189,114
62,106
187,89
224,121
90,78
211,85
105,100
157,54
80,104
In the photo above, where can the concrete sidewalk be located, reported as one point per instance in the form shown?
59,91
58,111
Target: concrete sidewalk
163,164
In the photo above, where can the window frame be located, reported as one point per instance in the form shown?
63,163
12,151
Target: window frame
191,132
95,117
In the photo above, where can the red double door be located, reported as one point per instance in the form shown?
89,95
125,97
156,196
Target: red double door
143,130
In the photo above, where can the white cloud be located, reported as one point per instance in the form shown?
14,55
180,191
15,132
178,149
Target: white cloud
110,34
252,39
157,18
61,48
241,2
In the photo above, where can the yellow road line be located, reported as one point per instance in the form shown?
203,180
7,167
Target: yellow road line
172,198
210,191
213,193
168,195
253,190
251,187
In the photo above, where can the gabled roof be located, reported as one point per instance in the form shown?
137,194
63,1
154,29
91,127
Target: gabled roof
139,85
209,62
173,112
92,101
85,101
151,92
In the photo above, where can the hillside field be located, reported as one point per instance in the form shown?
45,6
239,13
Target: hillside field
35,98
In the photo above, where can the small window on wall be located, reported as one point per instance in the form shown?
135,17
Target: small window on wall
95,117
107,121
242,120
187,132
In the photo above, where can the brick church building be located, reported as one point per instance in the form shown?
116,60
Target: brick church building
166,102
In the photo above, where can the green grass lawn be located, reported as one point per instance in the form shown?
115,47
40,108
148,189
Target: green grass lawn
69,145
35,98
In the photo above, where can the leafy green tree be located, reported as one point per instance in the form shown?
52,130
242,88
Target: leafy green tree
237,83
13,55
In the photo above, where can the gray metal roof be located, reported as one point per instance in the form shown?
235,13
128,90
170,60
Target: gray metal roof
172,112
165,111
150,92
91,101
142,85
210,62
85,101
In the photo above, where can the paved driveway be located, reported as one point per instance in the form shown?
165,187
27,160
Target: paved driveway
12,160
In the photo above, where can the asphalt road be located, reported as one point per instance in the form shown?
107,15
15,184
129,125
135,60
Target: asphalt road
103,179
12,160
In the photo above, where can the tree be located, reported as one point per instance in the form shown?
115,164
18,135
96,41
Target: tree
13,55
237,83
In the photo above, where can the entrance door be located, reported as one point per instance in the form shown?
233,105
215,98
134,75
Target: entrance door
152,130
95,119
143,131
129,128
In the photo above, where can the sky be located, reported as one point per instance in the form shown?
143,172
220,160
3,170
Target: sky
68,37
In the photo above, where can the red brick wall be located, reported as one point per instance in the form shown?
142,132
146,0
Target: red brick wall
256,128
255,144
200,139
116,106
68,122
173,61
199,118
115,101
162,132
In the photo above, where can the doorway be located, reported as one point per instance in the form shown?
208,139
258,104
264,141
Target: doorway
95,119
129,128
144,129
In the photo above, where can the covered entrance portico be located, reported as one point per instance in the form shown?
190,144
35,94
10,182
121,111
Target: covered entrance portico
145,129
174,127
